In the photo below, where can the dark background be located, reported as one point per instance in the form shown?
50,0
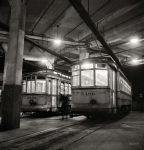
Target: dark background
136,77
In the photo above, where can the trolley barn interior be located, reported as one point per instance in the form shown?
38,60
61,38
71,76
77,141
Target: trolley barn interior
57,36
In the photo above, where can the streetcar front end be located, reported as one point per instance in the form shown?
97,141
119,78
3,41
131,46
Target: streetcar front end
93,87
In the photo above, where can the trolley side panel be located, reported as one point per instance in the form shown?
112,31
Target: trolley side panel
33,103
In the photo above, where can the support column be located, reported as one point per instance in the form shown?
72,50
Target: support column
12,80
83,53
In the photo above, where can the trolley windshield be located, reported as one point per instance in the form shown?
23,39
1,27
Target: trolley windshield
90,74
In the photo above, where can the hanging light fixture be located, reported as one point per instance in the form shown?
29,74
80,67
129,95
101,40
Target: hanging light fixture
43,60
57,41
134,40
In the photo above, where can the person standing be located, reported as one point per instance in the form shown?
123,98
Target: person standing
64,106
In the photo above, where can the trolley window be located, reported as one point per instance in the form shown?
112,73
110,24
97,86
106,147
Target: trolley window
87,78
101,66
33,86
124,86
62,88
49,87
75,78
86,66
53,101
24,86
54,86
101,77
66,88
76,67
69,89
114,80
110,78
28,86
41,86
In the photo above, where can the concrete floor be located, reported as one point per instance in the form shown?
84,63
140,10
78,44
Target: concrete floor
124,134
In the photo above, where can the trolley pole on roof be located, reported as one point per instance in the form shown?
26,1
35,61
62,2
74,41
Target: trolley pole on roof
86,18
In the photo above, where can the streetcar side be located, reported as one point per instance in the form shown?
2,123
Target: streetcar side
124,93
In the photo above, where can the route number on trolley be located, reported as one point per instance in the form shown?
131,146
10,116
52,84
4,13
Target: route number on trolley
32,98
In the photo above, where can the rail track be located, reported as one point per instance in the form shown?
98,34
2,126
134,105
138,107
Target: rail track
55,138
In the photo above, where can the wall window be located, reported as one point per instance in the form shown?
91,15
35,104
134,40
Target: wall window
87,78
41,86
101,77
54,86
75,78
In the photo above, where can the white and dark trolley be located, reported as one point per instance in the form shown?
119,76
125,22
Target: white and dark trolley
42,90
99,87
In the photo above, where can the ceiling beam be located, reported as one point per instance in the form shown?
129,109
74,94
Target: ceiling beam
85,16
48,50
66,14
123,9
5,27
43,38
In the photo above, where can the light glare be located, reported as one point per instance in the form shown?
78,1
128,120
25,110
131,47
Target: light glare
43,60
135,61
57,41
135,40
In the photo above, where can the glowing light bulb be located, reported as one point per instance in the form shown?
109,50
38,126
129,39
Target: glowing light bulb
134,40
57,41
43,60
135,61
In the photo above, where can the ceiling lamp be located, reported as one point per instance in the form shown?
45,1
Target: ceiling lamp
57,41
135,61
43,60
134,40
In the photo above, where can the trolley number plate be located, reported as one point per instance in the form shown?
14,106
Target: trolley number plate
87,93
32,98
